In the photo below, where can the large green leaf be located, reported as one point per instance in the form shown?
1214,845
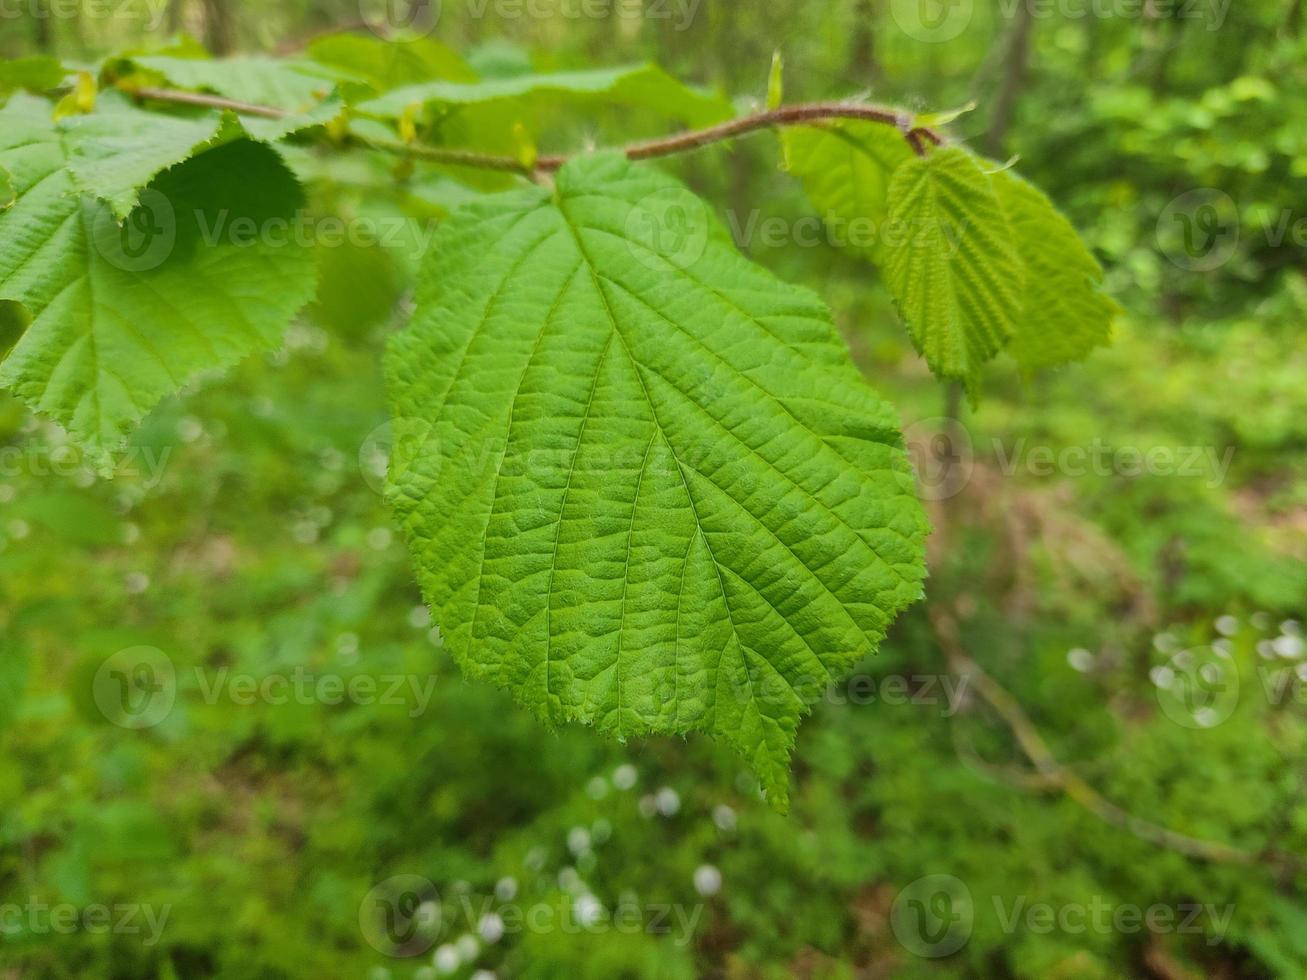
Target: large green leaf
283,83
388,64
846,168
955,273
123,314
35,73
1065,314
641,86
644,485
116,150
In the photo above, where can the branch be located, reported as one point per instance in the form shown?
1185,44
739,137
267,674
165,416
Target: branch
807,113
1053,773
178,97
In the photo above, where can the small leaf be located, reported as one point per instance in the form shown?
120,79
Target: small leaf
644,486
1066,314
775,84
36,74
80,100
846,169
955,273
407,123
944,117
645,86
388,64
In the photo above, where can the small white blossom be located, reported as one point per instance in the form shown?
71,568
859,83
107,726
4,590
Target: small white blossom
707,880
668,801
625,776
1080,659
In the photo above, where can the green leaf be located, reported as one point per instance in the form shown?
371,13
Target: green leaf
955,274
1066,314
282,83
846,170
118,149
123,314
775,80
388,64
951,243
7,192
499,58
13,321
115,151
643,484
643,86
36,74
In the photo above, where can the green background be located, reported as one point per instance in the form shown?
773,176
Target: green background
1174,136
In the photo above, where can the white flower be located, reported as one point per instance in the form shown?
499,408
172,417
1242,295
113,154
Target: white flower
578,840
1080,659
668,801
491,927
707,880
1162,677
624,776
468,947
1288,646
588,909
446,958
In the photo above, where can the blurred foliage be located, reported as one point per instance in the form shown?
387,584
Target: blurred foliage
243,538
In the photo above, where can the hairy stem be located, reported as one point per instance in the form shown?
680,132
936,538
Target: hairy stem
807,113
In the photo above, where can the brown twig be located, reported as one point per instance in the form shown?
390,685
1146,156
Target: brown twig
808,113
1054,774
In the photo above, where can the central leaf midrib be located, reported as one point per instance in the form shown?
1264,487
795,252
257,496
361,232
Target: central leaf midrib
659,428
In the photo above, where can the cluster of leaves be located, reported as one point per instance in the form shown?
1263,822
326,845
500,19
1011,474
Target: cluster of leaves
261,550
643,483
978,260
